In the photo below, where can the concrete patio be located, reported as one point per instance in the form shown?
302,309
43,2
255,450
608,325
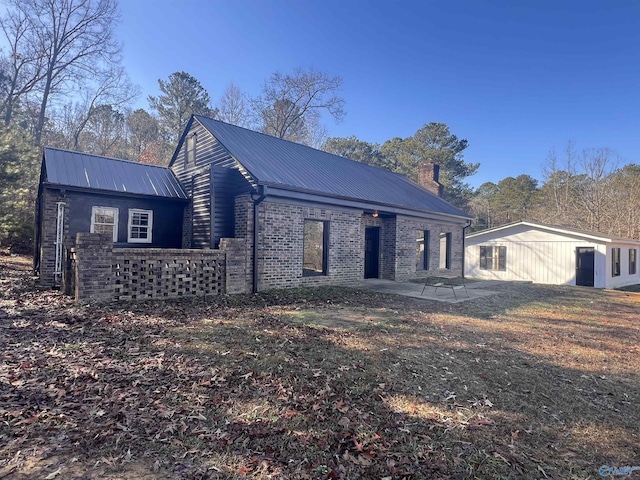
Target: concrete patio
442,294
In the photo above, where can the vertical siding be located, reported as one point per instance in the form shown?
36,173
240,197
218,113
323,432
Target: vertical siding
548,258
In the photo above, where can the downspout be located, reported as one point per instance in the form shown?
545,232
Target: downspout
57,271
464,236
257,196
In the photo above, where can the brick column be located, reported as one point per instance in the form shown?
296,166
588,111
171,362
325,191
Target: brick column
94,277
235,264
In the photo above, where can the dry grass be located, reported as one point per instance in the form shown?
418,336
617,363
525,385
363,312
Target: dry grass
536,382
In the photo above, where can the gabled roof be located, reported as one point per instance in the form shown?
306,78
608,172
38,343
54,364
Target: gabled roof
81,170
587,235
283,164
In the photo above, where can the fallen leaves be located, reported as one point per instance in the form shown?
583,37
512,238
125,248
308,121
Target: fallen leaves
231,388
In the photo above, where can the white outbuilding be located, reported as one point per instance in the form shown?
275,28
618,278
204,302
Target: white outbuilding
551,255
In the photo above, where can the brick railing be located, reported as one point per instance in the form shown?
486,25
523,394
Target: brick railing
104,273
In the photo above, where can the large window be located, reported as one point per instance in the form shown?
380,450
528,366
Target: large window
632,261
140,225
615,262
493,258
445,250
315,248
422,250
105,220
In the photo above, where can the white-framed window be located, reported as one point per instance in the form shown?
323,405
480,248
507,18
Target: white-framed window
140,226
105,220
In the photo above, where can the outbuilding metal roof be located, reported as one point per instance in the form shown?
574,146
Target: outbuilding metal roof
82,170
281,163
585,234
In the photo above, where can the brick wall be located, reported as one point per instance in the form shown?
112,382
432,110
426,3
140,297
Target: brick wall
280,254
104,273
405,263
47,249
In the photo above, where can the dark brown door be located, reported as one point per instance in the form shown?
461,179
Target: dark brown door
372,252
584,266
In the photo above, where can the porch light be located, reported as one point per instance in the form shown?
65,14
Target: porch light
375,214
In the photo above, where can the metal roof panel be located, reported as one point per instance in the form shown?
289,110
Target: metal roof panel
75,169
278,162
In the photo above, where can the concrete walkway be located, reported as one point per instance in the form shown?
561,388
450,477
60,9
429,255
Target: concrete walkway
414,290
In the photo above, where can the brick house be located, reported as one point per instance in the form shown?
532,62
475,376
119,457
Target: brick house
138,205
303,216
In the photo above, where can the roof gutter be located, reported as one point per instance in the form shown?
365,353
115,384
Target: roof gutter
258,195
346,202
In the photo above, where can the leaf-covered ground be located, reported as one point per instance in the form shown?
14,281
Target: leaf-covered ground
337,383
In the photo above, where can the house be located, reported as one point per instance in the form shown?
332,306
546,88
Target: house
303,216
551,255
310,217
137,204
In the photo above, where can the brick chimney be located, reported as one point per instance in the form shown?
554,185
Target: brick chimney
428,176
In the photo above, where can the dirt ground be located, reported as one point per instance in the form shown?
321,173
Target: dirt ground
535,382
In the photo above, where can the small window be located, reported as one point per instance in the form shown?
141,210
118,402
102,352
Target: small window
105,220
140,225
445,250
315,248
190,153
422,249
615,262
632,261
493,258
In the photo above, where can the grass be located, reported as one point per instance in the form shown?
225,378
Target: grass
536,382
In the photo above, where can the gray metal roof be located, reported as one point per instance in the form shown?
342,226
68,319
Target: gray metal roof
280,163
83,170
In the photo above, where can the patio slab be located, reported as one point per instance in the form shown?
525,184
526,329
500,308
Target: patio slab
414,290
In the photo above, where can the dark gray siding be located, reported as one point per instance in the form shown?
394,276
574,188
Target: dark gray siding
167,217
208,152
201,209
227,183
212,195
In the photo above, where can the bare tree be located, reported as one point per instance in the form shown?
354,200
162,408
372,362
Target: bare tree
594,192
290,105
233,107
23,65
74,43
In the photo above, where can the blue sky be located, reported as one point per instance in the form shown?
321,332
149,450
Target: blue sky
515,78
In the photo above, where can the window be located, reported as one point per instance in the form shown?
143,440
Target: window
315,248
105,220
190,153
445,250
140,225
493,258
632,261
422,250
615,262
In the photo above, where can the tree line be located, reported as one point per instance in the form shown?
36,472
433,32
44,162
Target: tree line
62,85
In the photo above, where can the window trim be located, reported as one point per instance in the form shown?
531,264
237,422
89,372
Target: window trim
633,264
496,261
615,262
115,211
149,238
325,248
